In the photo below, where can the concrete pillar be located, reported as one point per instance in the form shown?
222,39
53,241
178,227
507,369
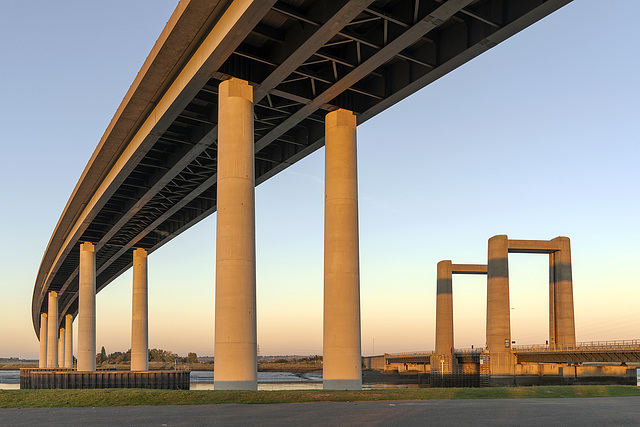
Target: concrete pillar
342,366
87,309
52,331
552,302
498,310
444,309
68,341
235,316
140,313
43,341
61,337
562,330
498,307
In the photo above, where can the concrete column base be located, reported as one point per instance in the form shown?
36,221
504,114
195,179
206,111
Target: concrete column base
235,385
443,364
342,384
502,363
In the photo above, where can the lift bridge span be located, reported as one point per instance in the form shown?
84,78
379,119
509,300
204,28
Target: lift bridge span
626,351
154,172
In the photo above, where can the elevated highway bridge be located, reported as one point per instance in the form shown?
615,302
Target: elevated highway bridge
154,173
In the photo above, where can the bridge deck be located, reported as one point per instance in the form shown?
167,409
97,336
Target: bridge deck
585,352
596,351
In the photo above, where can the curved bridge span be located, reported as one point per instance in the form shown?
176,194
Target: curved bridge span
154,172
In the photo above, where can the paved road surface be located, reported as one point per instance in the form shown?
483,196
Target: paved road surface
616,411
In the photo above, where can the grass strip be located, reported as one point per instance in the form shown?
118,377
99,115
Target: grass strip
136,397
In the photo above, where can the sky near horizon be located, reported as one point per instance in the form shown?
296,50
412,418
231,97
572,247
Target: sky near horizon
536,138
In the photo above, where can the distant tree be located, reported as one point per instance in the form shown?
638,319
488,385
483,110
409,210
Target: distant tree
192,358
157,355
120,357
103,356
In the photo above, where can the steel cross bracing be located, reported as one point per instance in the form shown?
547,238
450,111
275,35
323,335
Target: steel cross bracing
304,58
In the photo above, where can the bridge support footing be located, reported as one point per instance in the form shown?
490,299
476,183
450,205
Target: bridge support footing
71,379
342,384
235,385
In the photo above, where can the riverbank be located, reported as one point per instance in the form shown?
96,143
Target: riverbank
298,367
136,397
12,366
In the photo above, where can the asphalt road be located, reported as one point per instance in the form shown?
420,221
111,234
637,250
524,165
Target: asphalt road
618,411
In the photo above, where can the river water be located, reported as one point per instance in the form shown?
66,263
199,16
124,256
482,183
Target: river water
9,380
203,380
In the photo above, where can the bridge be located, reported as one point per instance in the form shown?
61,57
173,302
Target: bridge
584,362
622,351
232,93
595,351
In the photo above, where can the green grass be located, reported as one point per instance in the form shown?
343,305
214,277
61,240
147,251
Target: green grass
133,397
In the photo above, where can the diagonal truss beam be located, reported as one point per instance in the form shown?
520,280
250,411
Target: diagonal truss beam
498,36
406,39
306,47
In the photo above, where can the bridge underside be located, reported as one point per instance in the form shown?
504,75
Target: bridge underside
154,172
577,356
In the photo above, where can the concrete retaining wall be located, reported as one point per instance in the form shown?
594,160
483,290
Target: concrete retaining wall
48,379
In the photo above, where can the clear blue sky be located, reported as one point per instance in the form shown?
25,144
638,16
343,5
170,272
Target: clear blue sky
539,137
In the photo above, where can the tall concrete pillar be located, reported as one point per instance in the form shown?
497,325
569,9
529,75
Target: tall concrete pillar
52,331
68,341
342,366
42,363
235,317
140,313
87,309
498,309
444,309
61,337
552,302
562,330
